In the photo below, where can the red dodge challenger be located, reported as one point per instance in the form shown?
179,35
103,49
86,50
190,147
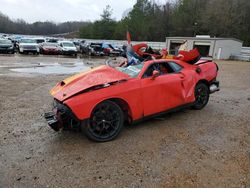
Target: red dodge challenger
101,100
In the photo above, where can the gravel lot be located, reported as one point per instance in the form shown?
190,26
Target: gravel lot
207,148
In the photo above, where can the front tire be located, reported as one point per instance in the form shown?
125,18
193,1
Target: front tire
201,96
105,123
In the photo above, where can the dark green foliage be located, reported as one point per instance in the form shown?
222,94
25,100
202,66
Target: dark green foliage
38,28
149,21
101,29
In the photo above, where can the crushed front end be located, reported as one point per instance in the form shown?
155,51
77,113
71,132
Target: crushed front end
61,117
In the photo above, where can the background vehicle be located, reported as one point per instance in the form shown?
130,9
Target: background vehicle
110,50
77,44
81,45
6,46
100,101
49,48
27,45
52,40
93,49
67,48
15,40
145,51
39,40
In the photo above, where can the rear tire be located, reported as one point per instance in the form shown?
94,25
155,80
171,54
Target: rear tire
201,96
105,123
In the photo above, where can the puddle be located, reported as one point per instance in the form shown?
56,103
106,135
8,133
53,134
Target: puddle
54,69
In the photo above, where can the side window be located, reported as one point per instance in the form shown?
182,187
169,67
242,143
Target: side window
162,67
149,71
175,66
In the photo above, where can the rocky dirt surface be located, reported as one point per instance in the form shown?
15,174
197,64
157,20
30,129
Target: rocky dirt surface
207,148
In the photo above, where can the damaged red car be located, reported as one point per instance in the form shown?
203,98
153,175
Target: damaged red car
103,99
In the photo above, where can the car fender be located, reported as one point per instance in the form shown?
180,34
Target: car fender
124,105
88,107
83,104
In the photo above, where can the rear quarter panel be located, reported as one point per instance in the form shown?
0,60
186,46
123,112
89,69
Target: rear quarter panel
208,71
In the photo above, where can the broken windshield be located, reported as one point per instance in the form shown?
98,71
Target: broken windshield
132,70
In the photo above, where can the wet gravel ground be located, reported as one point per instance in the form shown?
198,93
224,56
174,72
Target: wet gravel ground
207,148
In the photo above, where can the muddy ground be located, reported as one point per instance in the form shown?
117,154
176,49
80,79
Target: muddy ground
207,148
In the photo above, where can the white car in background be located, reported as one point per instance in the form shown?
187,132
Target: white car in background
68,48
28,45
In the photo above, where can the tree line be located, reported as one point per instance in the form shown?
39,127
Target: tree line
19,26
150,21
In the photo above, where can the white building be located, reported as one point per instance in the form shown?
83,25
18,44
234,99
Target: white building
218,48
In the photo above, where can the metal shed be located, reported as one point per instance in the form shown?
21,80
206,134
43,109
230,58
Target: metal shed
218,48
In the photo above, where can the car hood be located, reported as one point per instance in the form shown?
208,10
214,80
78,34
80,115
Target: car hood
69,48
6,45
50,48
79,83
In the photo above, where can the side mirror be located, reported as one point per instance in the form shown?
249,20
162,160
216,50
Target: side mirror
156,73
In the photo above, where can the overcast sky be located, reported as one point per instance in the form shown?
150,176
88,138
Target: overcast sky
62,10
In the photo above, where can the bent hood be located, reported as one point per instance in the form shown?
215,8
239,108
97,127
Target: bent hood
80,82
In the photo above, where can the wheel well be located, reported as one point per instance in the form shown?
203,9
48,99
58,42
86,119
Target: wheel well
125,108
204,81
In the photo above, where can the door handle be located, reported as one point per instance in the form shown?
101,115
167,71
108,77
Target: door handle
182,76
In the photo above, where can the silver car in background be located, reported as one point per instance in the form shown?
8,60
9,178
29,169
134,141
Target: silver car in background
68,48
28,45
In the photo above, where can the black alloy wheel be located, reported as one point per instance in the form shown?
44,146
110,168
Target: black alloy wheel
201,96
105,123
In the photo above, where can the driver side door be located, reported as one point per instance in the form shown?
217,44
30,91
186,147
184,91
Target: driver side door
163,92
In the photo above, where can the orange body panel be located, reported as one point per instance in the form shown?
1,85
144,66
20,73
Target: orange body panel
144,96
85,80
137,48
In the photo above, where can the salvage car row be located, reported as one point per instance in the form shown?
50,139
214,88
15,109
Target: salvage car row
54,46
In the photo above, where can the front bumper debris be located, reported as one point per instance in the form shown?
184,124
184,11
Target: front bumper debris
53,120
61,117
214,86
